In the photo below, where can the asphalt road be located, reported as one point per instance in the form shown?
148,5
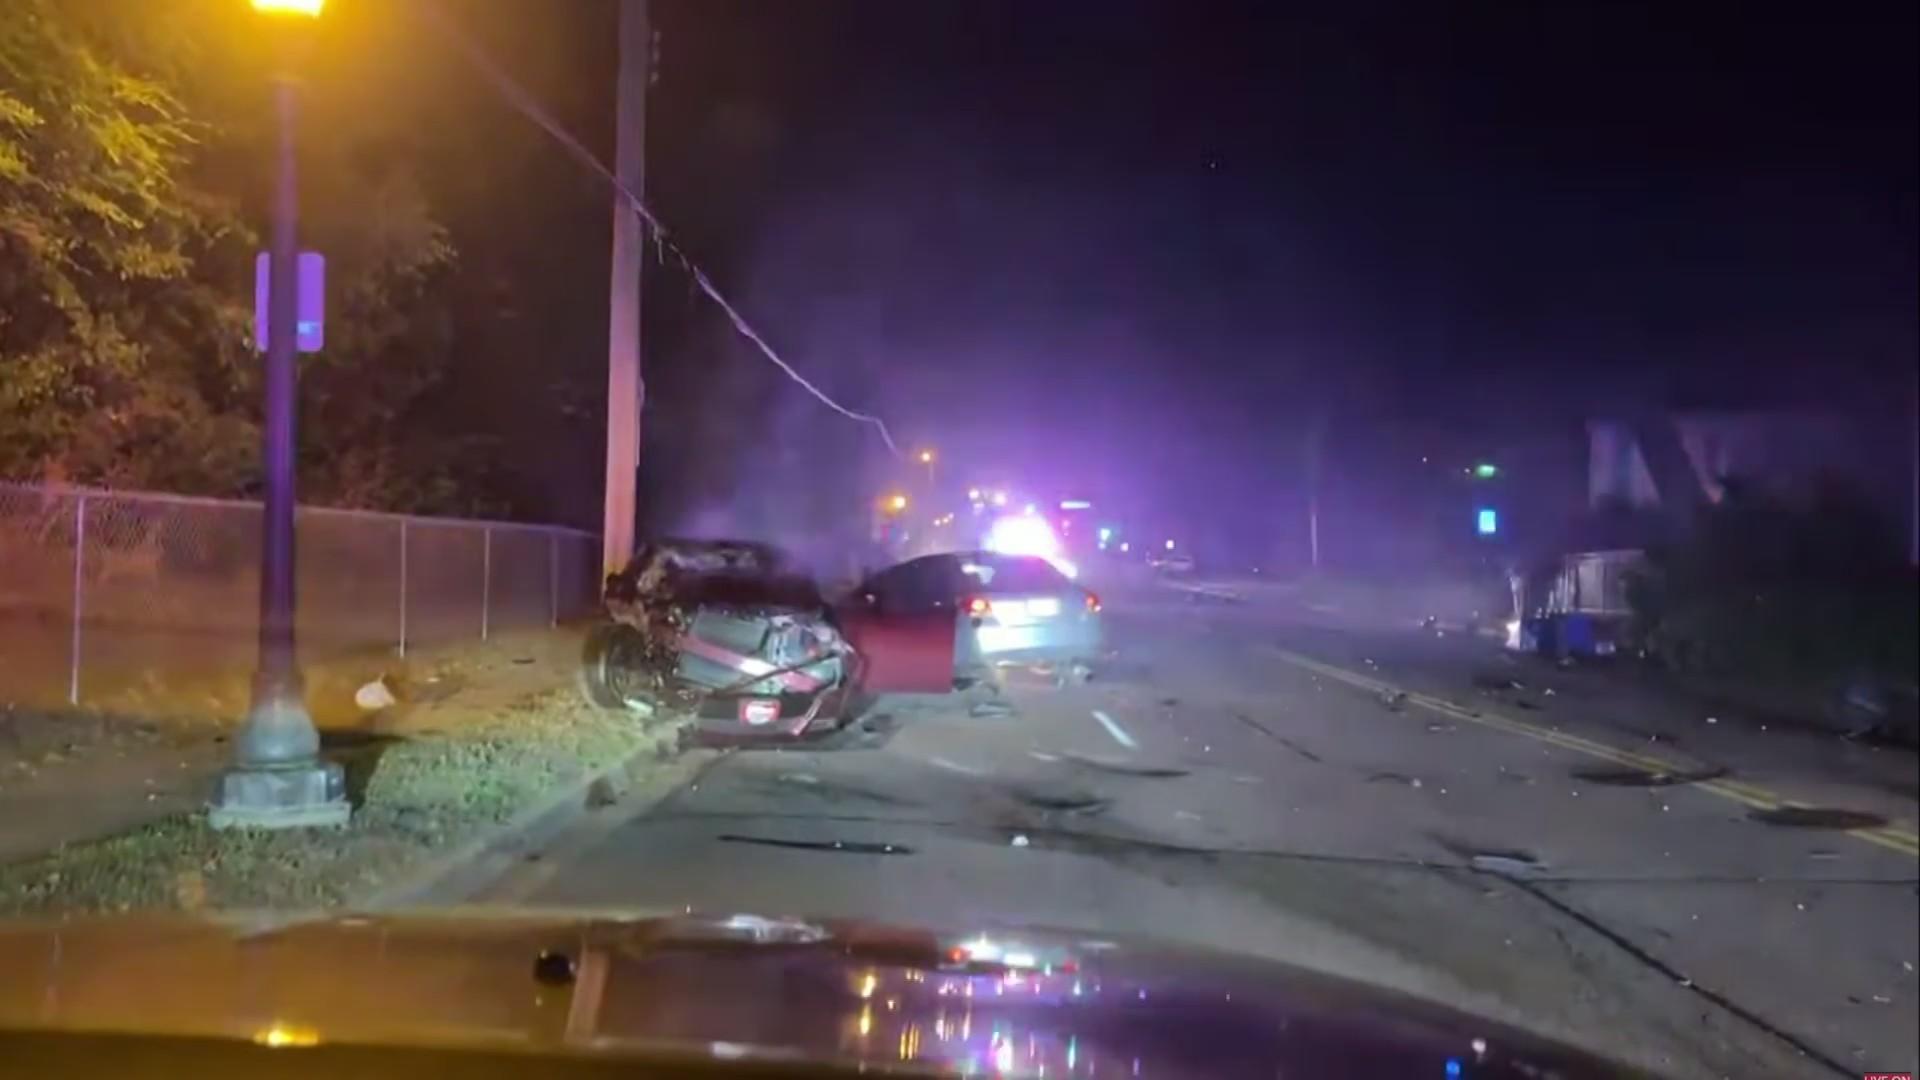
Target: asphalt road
1596,863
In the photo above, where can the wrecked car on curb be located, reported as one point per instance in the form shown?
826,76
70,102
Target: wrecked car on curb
725,631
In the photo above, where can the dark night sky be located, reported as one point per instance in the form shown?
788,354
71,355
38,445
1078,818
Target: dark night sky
1051,231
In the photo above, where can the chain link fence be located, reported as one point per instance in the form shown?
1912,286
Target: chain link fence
103,589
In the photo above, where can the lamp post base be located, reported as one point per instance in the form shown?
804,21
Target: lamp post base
308,795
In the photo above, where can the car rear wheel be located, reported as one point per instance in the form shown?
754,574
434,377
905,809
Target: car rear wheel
611,672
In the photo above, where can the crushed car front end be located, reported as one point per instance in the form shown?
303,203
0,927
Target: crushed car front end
722,631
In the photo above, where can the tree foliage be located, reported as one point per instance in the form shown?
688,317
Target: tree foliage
119,361
135,147
1768,589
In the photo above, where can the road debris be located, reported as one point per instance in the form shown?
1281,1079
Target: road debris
1501,864
1629,777
1817,817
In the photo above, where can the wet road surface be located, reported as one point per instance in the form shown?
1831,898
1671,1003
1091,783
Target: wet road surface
1377,802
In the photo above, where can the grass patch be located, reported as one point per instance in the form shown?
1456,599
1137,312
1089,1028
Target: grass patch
426,794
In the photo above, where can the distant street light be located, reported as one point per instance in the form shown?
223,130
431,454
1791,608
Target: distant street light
278,779
1486,470
897,503
926,457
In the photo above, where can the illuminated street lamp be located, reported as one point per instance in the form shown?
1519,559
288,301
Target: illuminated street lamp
278,779
927,457
896,503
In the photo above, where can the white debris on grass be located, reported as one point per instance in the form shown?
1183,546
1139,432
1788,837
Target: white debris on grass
375,696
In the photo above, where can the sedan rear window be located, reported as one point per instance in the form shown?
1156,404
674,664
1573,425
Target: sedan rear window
1011,574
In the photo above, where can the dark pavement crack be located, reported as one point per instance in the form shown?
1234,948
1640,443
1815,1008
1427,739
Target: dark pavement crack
1655,964
838,847
1277,737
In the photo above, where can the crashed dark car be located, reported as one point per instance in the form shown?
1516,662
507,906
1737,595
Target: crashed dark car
725,631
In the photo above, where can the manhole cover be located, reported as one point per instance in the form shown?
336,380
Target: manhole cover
1818,817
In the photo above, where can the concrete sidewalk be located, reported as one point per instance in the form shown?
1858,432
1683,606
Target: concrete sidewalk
70,778
73,776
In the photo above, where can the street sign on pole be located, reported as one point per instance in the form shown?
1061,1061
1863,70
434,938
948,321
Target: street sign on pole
310,279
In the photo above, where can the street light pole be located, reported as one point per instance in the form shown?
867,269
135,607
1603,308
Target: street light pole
278,779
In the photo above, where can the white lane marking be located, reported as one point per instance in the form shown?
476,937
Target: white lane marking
954,766
1039,755
1119,733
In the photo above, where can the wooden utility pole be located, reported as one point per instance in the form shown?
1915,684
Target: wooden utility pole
626,391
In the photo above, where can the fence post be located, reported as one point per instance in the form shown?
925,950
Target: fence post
79,597
486,576
403,588
553,578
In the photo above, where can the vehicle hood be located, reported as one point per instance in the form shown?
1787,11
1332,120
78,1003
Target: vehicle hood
1015,1002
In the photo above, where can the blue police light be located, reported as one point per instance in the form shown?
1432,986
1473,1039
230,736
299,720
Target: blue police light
1487,521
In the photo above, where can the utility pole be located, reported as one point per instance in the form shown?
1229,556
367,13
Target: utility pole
1316,435
626,391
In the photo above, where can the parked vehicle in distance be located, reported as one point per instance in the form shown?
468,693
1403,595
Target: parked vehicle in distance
1171,562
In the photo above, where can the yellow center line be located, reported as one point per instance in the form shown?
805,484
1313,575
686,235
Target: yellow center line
1896,836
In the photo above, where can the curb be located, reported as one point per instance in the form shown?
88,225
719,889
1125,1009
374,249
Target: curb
474,865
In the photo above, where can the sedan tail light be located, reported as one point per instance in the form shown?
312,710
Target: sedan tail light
977,606
1093,602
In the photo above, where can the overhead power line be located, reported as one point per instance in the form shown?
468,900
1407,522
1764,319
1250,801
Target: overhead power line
520,99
